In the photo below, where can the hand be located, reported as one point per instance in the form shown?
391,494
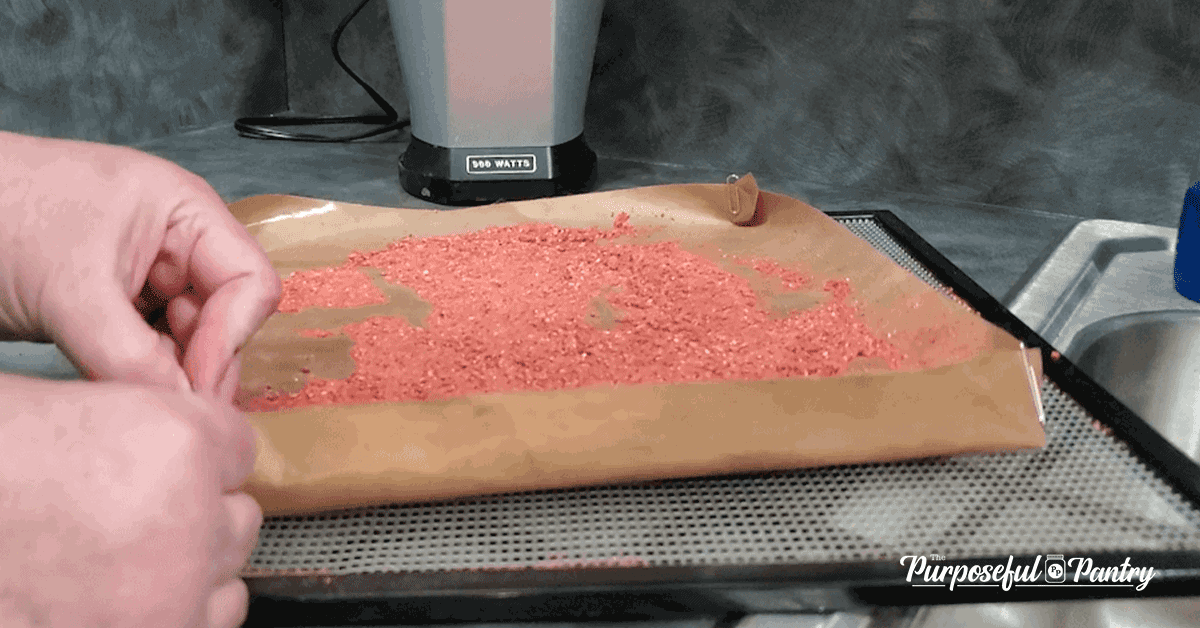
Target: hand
119,506
94,237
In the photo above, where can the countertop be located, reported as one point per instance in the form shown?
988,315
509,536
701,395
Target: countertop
994,245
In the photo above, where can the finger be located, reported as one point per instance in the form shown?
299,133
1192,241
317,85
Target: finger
183,314
245,520
228,605
237,446
232,442
239,290
244,450
228,319
227,387
167,276
102,333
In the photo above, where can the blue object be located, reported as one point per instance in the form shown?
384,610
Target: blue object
1187,250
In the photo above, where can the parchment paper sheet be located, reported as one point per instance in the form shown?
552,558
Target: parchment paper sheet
969,386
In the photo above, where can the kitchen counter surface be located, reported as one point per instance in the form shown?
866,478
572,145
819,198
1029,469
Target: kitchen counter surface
994,245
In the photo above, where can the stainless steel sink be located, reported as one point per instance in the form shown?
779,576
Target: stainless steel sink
1151,362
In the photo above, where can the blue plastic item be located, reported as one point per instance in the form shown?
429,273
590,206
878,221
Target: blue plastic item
1187,250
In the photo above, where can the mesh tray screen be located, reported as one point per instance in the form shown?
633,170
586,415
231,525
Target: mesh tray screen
1084,493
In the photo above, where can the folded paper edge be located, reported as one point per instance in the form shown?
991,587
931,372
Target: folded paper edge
281,493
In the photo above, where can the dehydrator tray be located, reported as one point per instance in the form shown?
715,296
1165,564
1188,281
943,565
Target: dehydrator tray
806,540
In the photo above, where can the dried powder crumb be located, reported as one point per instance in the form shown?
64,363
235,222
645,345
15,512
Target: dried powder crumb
315,333
543,307
338,287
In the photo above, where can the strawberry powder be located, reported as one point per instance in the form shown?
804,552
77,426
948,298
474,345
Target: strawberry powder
542,307
328,287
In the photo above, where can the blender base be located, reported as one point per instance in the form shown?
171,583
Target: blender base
477,176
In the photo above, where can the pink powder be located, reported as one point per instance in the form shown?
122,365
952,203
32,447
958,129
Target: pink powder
515,309
344,286
315,333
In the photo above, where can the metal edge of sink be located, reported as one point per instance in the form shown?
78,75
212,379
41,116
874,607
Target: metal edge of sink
1073,292
1087,336
1047,299
1151,362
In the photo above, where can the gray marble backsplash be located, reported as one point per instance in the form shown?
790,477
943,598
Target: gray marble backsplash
1089,108
126,71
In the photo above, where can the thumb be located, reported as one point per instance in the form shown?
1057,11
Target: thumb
103,335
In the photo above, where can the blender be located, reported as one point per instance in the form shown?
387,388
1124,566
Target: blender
496,93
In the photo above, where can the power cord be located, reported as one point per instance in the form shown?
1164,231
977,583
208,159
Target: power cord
264,128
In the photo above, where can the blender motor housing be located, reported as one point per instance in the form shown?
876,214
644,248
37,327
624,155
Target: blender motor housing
496,94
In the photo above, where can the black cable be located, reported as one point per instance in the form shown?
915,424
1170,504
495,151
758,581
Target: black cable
262,127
